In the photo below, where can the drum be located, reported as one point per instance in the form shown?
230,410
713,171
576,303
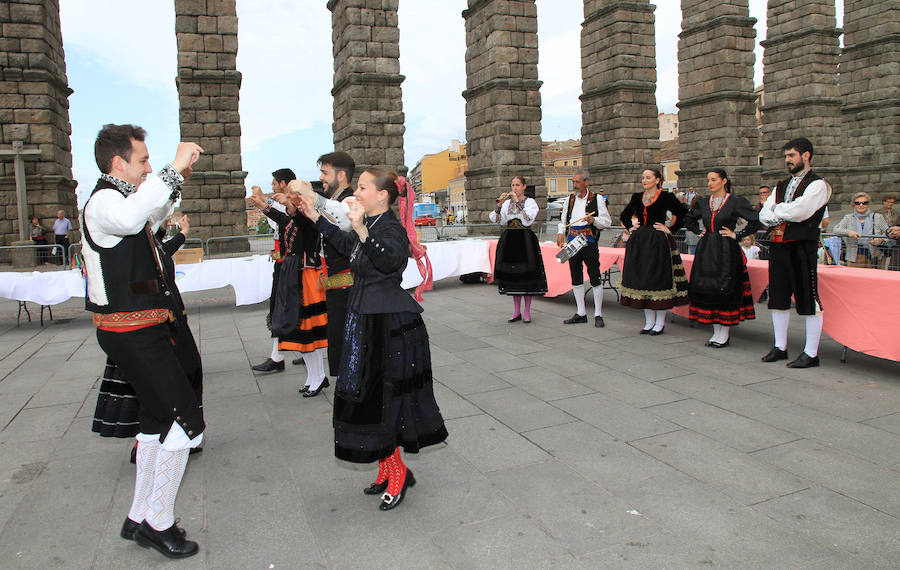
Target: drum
571,248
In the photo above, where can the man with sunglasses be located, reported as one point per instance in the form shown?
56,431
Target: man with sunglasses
794,211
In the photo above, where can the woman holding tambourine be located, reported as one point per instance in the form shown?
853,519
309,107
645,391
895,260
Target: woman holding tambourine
518,266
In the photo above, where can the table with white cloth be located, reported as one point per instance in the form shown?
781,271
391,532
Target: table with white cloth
250,277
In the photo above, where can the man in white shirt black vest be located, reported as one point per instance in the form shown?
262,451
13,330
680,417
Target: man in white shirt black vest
133,298
584,214
794,210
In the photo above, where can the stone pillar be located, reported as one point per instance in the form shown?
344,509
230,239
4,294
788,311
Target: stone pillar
716,105
619,121
208,92
870,83
800,86
367,93
34,109
503,102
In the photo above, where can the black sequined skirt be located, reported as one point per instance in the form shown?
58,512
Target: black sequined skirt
384,395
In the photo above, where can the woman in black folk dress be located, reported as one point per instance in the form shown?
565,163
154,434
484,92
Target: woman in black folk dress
383,398
518,265
653,278
719,288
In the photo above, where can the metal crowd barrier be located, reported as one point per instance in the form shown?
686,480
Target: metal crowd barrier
238,246
19,257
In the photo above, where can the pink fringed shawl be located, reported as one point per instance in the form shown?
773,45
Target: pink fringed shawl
407,200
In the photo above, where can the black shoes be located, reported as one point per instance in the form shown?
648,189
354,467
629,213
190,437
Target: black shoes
776,354
298,362
169,542
598,322
269,366
646,331
388,502
715,344
515,319
654,332
313,393
576,319
129,527
376,488
804,361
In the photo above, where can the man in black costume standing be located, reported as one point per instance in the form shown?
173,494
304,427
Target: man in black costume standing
794,211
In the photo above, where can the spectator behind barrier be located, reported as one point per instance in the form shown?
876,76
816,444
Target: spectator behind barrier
862,251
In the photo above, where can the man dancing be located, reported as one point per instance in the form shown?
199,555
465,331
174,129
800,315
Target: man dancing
584,215
133,299
336,172
794,211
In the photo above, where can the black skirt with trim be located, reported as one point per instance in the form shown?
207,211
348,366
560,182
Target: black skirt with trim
393,404
653,276
518,265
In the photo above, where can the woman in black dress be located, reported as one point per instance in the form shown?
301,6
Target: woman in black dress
518,265
653,278
383,398
719,289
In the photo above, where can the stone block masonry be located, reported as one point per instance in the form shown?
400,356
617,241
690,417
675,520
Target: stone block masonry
34,109
619,121
801,96
367,92
208,94
716,104
503,102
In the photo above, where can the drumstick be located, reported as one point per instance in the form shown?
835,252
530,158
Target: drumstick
580,219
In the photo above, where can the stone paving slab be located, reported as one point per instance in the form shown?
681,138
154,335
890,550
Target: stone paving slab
569,447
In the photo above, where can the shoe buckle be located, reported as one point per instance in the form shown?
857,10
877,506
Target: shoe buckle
387,498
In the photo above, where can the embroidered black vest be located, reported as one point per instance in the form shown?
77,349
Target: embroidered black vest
589,206
808,229
130,274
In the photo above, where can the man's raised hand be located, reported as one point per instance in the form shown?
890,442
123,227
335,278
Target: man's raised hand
185,156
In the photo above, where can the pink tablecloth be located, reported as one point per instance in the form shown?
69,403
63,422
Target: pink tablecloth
862,306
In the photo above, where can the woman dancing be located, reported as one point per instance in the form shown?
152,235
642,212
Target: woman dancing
383,398
653,278
719,289
518,266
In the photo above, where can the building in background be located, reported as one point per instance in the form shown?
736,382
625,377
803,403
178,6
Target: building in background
561,160
668,126
667,157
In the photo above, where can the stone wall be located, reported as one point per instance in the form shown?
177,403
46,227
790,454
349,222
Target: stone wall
620,125
208,92
34,109
503,102
870,95
716,103
801,96
367,92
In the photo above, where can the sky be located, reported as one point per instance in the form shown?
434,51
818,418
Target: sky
126,74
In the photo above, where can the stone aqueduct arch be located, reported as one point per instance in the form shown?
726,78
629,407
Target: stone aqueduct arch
853,122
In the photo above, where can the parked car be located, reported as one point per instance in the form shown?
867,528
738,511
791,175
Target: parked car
554,210
426,220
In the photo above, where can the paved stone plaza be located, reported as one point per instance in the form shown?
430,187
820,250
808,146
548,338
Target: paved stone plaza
569,446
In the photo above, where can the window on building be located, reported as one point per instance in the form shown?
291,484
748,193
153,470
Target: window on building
552,185
574,163
570,185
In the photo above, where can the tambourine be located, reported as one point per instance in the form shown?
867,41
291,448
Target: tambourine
570,249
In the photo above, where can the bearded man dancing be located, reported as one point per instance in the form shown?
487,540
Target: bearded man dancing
133,299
